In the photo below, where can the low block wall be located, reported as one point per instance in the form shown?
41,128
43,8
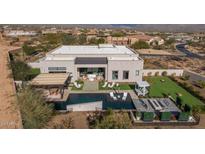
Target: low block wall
170,72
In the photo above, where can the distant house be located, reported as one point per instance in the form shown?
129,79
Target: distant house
15,33
131,39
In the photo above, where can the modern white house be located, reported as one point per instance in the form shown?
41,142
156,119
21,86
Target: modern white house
105,61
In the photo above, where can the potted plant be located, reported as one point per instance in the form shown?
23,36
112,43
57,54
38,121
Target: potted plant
138,115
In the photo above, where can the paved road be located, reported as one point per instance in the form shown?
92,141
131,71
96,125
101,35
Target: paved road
181,48
9,112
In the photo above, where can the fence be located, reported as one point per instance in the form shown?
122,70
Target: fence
160,72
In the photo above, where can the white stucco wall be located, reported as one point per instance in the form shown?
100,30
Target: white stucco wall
120,66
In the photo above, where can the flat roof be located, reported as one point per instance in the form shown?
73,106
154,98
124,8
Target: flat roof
144,105
91,60
123,58
89,49
50,79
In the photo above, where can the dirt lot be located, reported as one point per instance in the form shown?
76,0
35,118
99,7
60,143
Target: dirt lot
9,113
156,52
192,64
79,120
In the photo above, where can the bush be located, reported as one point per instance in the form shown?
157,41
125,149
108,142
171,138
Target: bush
183,116
28,50
149,74
112,120
148,116
164,73
187,108
140,45
156,74
22,71
165,116
35,112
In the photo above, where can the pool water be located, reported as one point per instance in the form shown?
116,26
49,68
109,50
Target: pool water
108,102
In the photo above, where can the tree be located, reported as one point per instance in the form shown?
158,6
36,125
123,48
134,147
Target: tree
69,40
140,45
170,41
22,71
35,112
28,50
100,41
82,39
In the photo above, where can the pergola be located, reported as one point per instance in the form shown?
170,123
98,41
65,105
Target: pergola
51,80
141,88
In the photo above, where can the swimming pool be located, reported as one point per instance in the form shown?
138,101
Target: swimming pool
107,101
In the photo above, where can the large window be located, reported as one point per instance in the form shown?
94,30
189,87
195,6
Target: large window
114,75
57,69
125,75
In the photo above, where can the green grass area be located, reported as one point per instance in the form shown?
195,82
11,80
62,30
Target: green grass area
161,86
122,86
35,71
81,88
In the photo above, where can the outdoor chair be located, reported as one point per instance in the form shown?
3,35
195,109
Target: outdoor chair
111,85
112,96
77,85
124,96
105,84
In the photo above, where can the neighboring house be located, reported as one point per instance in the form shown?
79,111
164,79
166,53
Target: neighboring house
156,41
15,33
131,39
105,61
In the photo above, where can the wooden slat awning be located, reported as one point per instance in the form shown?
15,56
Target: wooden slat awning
50,79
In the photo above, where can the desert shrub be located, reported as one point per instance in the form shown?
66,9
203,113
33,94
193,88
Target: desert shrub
156,74
173,74
149,74
65,123
164,73
35,112
113,120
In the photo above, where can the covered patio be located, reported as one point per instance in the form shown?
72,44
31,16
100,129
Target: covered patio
54,82
91,68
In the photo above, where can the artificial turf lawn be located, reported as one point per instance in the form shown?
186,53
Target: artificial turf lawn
169,87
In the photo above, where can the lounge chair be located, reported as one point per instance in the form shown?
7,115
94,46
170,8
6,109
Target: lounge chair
111,85
112,96
105,84
77,85
124,96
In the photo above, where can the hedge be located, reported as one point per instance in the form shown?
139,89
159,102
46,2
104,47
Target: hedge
148,116
183,116
165,116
